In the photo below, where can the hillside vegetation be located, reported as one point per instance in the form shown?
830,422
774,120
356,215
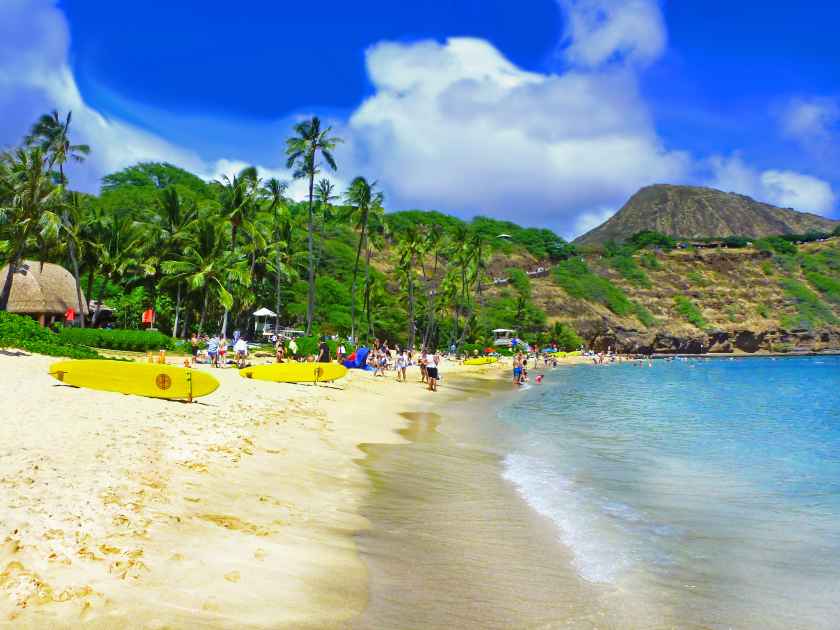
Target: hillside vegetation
206,255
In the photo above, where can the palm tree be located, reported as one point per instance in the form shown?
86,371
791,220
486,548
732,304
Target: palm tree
408,249
274,192
171,226
29,211
52,136
205,265
236,196
120,241
302,155
324,195
362,196
377,232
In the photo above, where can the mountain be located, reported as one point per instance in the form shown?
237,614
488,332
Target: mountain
696,212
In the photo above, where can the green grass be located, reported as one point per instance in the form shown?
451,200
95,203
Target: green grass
767,268
630,270
696,278
649,260
690,312
17,331
579,282
811,311
829,287
763,310
644,315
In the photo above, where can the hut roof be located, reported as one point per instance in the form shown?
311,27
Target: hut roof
42,288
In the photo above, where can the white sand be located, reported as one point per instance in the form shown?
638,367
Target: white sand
238,510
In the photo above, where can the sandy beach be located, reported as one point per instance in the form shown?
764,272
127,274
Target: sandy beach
239,509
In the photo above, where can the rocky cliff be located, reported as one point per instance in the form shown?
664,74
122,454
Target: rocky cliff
695,212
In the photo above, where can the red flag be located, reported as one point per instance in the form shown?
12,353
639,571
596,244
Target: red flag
70,315
148,316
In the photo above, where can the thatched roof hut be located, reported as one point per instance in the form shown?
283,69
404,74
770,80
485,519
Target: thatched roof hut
42,290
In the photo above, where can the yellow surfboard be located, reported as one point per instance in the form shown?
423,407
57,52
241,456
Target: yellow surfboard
295,372
481,360
140,379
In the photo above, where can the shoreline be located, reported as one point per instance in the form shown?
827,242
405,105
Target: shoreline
238,509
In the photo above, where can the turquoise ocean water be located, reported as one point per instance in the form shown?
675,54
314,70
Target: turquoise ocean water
709,489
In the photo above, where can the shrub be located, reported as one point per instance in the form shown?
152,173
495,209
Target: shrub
644,315
579,282
696,278
566,337
627,267
132,340
652,238
775,244
811,311
763,310
690,312
649,260
829,287
17,331
736,241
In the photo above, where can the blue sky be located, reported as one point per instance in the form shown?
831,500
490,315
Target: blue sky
548,112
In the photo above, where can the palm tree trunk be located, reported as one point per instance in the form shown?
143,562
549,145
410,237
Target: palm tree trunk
203,311
277,293
367,294
224,323
99,298
177,312
310,303
185,326
10,276
353,286
89,291
410,307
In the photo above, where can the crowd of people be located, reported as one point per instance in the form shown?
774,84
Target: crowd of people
217,348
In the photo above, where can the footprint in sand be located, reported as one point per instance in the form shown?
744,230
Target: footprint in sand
233,576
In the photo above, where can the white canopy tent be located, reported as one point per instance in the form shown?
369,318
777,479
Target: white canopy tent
265,314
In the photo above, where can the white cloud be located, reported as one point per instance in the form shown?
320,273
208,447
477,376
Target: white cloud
810,119
802,192
456,125
590,220
600,31
787,189
35,77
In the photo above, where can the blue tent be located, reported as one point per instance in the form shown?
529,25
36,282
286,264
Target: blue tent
360,362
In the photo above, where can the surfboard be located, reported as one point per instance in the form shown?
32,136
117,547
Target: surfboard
140,379
295,372
481,360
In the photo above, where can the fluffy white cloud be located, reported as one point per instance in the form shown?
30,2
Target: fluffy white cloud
787,189
456,125
810,119
600,31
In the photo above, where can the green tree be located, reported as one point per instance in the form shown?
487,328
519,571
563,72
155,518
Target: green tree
363,198
52,135
302,153
30,209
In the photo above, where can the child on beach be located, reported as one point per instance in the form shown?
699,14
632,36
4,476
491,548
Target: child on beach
432,371
402,364
194,347
223,346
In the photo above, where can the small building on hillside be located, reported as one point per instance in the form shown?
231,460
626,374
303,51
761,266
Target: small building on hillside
43,291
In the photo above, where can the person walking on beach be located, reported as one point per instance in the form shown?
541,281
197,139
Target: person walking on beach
240,349
424,366
433,371
213,350
324,353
